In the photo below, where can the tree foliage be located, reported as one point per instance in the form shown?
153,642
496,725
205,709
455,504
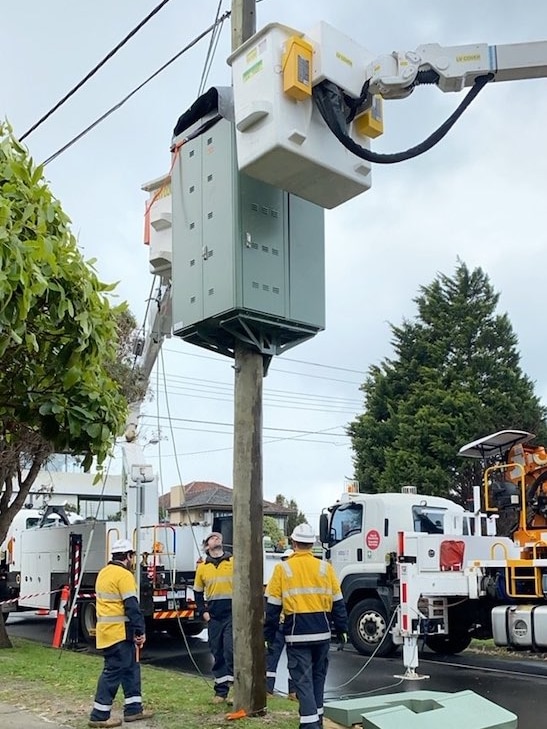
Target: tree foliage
122,368
57,336
270,529
455,377
295,517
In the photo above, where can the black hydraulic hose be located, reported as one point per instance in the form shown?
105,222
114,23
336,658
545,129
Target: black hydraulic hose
330,102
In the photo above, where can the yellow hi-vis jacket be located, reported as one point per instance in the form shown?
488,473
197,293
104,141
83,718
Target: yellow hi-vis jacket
306,590
119,616
213,585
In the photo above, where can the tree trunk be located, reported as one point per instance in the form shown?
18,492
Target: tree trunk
4,638
8,507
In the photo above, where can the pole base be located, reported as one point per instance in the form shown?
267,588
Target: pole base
411,675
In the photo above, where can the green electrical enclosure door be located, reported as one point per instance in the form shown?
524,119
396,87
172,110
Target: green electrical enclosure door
264,252
203,234
242,250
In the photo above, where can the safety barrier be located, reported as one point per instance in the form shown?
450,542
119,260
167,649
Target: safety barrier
81,596
27,597
60,622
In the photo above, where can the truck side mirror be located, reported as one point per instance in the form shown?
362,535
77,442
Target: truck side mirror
324,529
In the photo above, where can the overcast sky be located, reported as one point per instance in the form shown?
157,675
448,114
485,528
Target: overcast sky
479,195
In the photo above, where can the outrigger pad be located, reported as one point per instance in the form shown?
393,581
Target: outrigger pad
421,710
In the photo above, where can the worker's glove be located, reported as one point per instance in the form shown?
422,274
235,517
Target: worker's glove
268,646
342,639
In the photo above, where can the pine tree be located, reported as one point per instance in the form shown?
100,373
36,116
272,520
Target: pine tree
455,377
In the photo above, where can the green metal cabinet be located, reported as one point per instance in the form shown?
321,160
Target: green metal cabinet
248,258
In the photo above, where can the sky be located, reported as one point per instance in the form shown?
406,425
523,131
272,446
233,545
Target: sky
479,196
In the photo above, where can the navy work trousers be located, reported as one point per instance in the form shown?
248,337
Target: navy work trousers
120,668
221,644
308,663
272,659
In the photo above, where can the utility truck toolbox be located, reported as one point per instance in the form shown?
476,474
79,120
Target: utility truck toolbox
281,139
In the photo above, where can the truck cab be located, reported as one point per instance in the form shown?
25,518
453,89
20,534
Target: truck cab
360,536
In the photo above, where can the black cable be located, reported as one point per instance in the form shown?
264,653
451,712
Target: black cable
135,90
94,70
331,105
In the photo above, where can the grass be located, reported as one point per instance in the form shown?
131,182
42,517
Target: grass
489,648
60,685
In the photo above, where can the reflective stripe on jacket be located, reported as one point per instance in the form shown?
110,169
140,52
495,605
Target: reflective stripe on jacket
213,585
119,616
307,591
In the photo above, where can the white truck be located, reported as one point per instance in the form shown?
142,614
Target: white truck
59,553
11,550
47,551
413,566
361,536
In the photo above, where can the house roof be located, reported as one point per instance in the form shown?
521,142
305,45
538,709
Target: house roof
208,494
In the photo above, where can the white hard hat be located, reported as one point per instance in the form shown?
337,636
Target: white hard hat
121,546
212,534
303,533
287,553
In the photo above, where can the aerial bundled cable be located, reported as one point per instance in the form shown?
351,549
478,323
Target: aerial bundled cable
135,90
94,70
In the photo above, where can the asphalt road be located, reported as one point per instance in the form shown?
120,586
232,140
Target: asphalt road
518,684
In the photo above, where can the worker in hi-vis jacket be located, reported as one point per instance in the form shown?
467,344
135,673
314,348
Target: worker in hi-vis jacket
213,595
307,592
120,635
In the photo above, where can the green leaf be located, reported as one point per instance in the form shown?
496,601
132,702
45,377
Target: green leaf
94,430
71,377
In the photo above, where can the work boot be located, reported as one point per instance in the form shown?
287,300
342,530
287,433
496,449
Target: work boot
222,700
105,722
292,696
140,716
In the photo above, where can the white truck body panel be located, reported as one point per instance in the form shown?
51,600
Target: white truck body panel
45,552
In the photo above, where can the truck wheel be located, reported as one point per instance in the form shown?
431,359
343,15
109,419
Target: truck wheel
88,622
368,626
449,644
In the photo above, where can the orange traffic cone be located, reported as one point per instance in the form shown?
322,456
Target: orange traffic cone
60,622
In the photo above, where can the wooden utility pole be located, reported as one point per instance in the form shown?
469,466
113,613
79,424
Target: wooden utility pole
243,21
248,597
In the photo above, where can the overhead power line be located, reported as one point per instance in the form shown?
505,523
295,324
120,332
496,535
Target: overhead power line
136,90
279,359
221,387
213,42
231,425
96,68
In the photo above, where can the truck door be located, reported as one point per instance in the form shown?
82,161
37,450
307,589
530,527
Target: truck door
345,539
